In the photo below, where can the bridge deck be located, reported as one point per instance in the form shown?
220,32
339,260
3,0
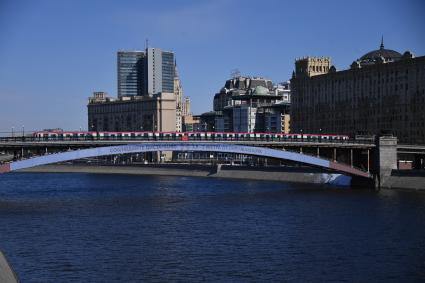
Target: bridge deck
91,143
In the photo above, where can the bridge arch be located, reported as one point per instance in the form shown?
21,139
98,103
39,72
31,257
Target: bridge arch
181,146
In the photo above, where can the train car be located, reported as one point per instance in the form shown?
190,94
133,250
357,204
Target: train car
187,136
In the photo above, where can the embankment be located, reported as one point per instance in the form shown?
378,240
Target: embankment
285,174
405,179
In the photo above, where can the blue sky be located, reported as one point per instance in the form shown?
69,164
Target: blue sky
54,53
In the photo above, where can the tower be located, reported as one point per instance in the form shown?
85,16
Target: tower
130,72
178,93
312,66
159,71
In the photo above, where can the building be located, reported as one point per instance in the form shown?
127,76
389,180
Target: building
160,71
276,120
244,118
248,104
145,72
131,72
135,113
192,123
178,93
207,120
146,88
383,92
100,97
186,106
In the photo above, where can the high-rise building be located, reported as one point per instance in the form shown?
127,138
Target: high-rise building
145,72
160,71
146,95
383,92
130,70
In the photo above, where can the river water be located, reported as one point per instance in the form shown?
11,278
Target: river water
119,228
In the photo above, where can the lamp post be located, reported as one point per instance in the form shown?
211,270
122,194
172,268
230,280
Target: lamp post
13,131
23,130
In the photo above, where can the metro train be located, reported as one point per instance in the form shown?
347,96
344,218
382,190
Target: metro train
185,136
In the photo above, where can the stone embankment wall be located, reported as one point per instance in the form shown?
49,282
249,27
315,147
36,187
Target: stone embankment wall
289,174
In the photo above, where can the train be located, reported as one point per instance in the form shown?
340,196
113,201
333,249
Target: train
185,136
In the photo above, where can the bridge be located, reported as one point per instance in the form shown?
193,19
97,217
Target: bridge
365,159
182,146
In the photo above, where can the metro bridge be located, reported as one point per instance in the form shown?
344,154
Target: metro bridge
349,157
359,158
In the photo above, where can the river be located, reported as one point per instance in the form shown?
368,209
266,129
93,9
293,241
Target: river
120,228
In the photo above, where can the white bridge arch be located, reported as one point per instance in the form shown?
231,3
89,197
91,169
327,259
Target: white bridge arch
181,146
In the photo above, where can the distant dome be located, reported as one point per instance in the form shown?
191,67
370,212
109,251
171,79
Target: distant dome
260,90
388,54
376,56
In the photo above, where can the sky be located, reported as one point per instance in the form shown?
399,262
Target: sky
55,53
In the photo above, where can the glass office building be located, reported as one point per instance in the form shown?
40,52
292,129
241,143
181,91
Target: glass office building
160,71
168,67
130,65
145,73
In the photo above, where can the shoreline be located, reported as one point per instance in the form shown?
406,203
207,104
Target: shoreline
296,175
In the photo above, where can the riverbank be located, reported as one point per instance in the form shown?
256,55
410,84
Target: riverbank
283,174
404,180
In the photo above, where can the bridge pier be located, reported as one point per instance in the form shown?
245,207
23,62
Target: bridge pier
368,161
386,159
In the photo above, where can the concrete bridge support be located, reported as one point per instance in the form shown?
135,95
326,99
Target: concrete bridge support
386,159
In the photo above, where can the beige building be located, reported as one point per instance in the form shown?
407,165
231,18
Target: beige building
186,106
382,93
178,93
286,123
136,113
191,123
